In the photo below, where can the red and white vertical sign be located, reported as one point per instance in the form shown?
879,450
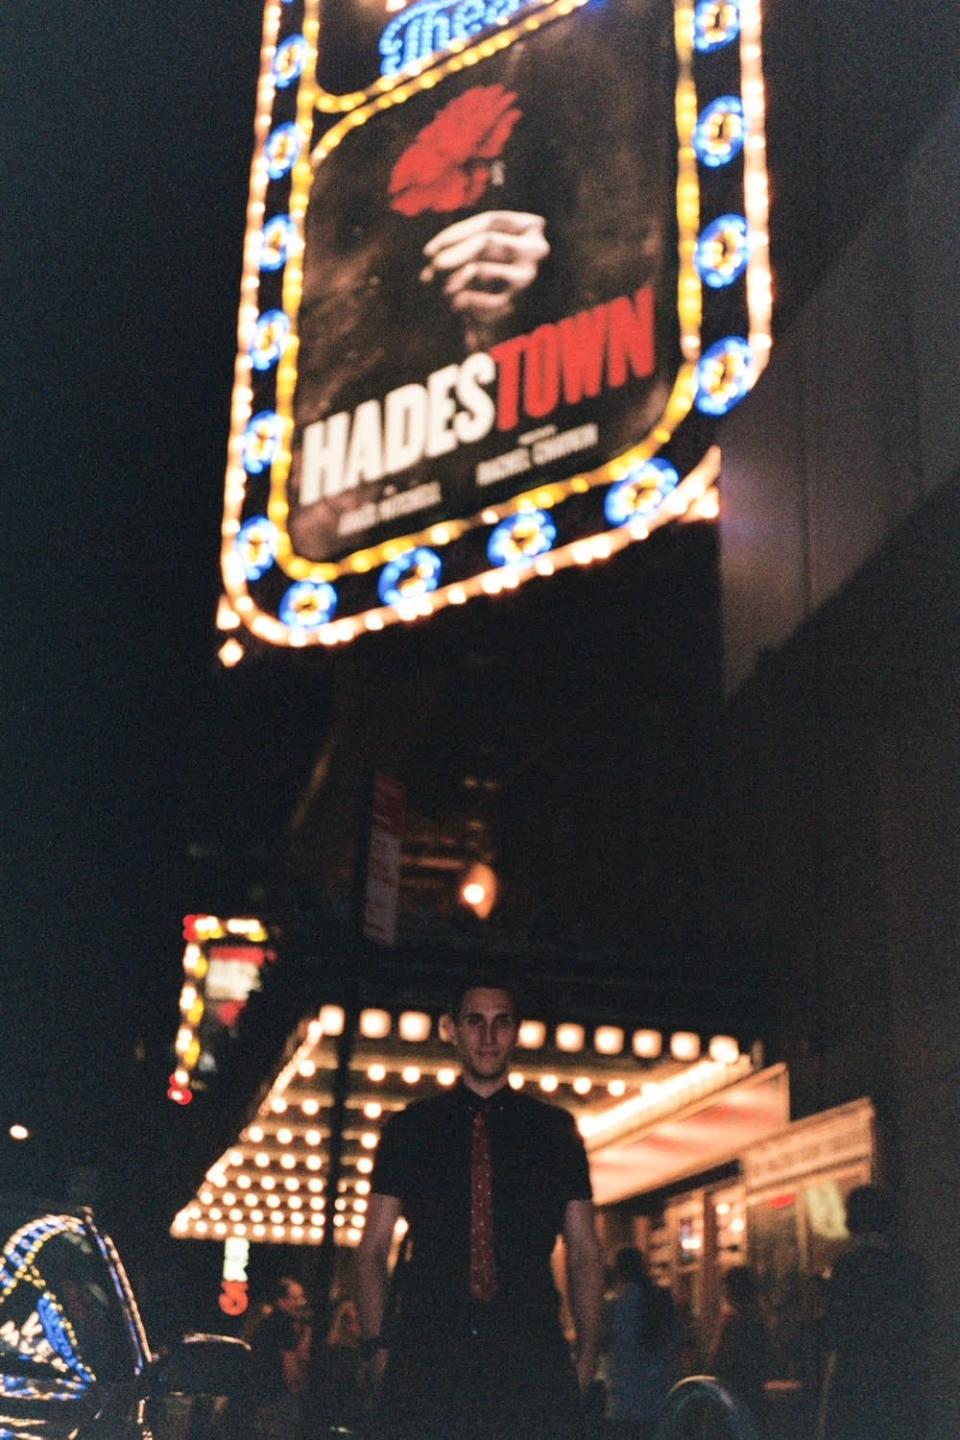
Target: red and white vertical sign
383,861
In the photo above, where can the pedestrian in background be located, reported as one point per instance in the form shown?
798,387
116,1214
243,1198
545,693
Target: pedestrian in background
875,1323
740,1355
280,1362
333,1396
643,1341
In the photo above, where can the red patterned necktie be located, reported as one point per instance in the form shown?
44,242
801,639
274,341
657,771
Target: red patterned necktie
483,1272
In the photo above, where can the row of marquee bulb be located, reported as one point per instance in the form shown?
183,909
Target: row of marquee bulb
413,1026
264,1219
275,1207
723,375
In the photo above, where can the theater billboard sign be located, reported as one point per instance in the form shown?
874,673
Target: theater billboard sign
506,263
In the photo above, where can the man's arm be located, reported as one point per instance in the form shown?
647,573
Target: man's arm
296,1361
373,1275
585,1280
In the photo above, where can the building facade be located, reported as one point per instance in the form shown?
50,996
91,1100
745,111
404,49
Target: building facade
840,582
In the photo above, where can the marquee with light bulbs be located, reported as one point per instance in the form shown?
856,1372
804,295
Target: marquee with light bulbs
368,483
270,1186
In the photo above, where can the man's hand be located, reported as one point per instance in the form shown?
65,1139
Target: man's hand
585,1276
373,1285
484,263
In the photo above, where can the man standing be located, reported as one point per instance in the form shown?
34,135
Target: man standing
280,1362
876,1331
486,1177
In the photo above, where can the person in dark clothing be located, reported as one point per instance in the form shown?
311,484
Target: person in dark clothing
643,1337
740,1354
487,1178
875,1331
333,1393
278,1370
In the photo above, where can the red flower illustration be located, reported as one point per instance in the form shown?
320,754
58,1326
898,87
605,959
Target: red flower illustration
447,166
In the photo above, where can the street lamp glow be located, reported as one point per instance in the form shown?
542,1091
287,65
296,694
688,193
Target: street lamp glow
478,890
19,1132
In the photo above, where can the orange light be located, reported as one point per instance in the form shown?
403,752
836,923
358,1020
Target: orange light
231,652
684,1045
647,1044
608,1039
478,890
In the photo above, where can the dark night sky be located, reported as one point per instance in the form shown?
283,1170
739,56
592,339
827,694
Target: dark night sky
126,177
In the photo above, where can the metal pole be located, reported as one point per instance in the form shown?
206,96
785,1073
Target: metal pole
356,948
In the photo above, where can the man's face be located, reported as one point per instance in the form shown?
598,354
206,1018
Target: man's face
484,1034
293,1300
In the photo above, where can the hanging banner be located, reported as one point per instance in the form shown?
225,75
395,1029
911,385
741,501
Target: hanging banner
382,893
501,275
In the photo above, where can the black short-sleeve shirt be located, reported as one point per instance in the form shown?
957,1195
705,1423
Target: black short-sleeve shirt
276,1336
539,1165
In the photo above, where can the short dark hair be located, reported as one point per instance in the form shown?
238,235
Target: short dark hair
740,1284
869,1210
281,1287
631,1266
484,981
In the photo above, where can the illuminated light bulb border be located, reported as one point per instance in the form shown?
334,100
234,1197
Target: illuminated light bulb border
759,284
720,131
689,289
715,29
24,1245
432,68
393,90
18,1265
664,1096
584,551
723,251
235,484
200,932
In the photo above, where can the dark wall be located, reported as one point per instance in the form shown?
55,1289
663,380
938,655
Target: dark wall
849,88
840,590
844,864
855,419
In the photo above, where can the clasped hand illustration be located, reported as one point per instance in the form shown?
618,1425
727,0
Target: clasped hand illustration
483,264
